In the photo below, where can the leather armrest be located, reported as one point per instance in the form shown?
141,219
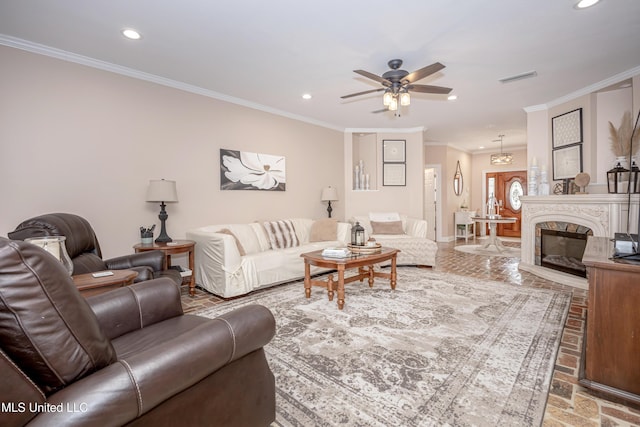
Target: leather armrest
133,307
144,273
134,386
154,259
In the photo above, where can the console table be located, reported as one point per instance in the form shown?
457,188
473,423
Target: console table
493,229
612,337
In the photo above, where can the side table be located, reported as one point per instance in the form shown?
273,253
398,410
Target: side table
174,248
89,285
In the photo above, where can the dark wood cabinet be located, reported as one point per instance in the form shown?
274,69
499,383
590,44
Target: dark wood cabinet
612,339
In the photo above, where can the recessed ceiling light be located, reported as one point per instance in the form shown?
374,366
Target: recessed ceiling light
481,147
452,97
306,96
131,34
583,4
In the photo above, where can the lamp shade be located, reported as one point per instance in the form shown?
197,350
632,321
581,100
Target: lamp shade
161,190
329,194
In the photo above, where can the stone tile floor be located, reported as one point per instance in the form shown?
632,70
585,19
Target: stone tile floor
568,404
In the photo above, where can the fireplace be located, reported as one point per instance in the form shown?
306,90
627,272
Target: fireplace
599,215
562,251
559,245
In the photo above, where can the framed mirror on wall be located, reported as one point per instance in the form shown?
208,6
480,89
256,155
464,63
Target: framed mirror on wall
457,180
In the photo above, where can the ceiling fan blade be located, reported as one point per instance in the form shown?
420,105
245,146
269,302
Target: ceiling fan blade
373,77
429,89
362,93
422,73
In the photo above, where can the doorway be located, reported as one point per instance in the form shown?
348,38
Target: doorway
431,206
507,188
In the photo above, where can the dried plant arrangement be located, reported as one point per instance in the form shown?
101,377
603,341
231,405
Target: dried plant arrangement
620,138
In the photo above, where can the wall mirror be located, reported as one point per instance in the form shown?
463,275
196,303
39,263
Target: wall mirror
457,180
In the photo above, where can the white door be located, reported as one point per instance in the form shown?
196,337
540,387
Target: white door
430,199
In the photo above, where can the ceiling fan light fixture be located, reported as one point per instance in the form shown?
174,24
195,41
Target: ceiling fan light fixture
405,99
393,105
386,98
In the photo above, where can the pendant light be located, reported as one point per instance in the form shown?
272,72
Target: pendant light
501,158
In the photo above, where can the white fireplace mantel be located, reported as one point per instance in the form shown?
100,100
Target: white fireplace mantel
604,214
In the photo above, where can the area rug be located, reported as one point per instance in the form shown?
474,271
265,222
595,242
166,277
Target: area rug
439,350
490,251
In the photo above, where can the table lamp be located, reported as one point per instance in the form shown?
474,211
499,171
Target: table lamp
163,191
329,194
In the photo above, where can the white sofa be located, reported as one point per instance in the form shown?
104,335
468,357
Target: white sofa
415,248
222,270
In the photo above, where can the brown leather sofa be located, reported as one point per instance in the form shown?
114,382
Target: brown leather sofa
84,250
125,357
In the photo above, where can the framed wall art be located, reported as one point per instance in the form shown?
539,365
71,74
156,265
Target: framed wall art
242,170
394,174
567,162
566,129
393,151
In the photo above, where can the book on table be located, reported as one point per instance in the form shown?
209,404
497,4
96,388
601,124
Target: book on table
336,252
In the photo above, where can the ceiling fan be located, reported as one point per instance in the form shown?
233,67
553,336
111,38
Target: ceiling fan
397,83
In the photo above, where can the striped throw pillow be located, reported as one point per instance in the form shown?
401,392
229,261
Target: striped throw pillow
281,233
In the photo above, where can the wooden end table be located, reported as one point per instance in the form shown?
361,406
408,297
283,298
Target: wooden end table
342,264
89,285
174,248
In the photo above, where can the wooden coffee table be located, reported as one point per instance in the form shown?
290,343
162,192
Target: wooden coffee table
89,285
341,264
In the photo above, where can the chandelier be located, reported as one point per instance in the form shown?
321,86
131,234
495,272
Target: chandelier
501,158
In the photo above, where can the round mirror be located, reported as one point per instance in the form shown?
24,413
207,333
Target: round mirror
457,180
515,192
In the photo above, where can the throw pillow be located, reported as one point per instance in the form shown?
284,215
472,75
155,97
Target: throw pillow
238,244
323,230
387,227
281,233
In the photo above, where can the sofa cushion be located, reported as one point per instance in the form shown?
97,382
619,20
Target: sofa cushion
282,234
323,230
261,234
46,326
387,227
384,216
228,232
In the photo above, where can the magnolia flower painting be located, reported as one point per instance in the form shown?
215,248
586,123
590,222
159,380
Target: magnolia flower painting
240,170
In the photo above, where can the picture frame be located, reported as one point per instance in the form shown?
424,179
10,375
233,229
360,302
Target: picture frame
394,174
394,151
566,129
243,170
567,162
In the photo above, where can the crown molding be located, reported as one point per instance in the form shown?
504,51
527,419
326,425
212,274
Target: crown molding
152,78
385,130
586,90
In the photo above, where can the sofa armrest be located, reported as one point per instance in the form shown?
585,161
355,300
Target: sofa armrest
153,259
133,307
129,388
416,227
217,259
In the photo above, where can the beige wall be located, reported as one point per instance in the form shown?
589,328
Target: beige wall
404,199
77,139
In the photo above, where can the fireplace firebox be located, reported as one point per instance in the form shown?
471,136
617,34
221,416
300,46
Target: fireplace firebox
563,250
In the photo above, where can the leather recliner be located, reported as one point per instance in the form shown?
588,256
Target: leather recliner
125,357
84,250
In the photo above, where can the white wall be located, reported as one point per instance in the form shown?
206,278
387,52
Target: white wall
81,140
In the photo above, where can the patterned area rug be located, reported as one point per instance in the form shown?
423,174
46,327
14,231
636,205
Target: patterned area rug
439,350
490,251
